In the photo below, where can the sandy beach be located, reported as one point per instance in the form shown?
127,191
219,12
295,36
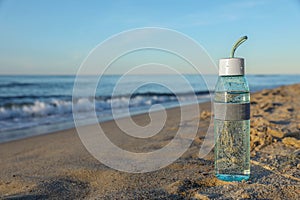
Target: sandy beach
57,165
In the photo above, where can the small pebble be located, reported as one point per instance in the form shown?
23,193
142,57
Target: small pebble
245,196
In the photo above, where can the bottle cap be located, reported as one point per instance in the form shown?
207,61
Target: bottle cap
231,67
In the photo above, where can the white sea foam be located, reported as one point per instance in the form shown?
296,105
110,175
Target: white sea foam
16,116
56,106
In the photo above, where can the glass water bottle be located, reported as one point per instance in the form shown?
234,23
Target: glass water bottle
232,121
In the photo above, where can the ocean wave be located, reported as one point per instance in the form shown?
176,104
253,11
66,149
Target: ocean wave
16,84
40,107
33,97
153,94
107,97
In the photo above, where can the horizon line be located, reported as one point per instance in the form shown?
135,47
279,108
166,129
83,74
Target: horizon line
137,74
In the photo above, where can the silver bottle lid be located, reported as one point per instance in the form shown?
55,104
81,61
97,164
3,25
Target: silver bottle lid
231,67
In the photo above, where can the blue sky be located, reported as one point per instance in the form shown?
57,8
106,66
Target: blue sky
54,37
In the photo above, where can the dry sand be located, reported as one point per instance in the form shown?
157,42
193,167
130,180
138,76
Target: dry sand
57,166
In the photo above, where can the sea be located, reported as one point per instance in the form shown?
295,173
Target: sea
39,104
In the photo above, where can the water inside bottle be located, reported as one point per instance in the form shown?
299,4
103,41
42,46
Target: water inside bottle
232,142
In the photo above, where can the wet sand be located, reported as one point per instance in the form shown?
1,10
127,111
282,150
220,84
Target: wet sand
57,165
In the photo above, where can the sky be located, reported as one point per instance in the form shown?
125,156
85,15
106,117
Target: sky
54,37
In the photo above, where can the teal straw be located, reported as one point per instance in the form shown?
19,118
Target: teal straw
237,44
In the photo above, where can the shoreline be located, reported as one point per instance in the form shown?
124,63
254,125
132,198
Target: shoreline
57,165
71,125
